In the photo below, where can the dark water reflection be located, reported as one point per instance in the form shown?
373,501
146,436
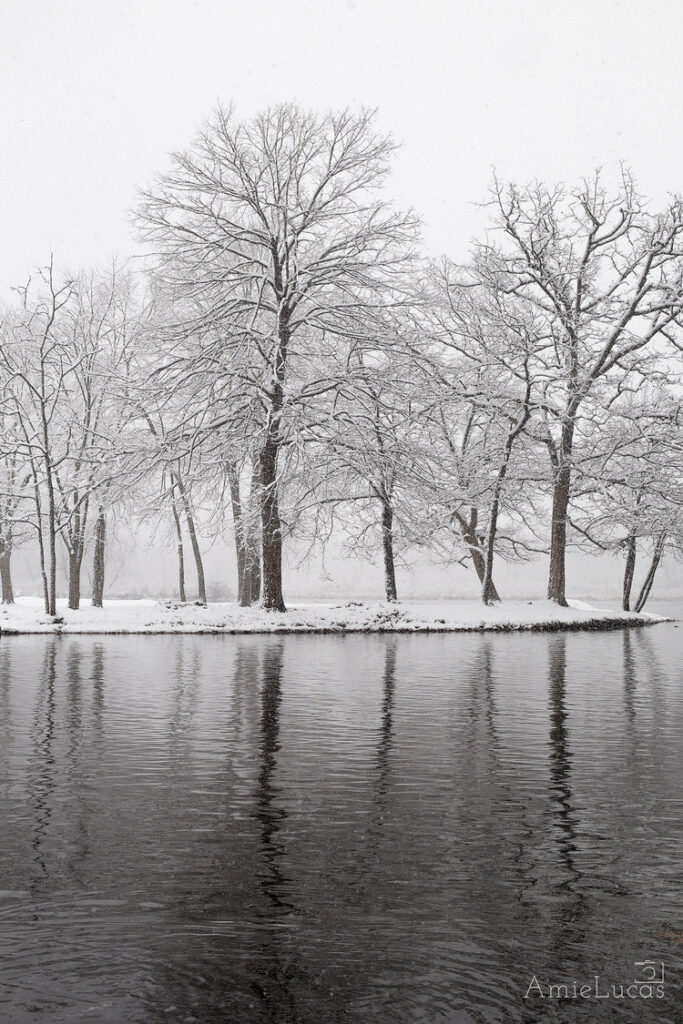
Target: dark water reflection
338,829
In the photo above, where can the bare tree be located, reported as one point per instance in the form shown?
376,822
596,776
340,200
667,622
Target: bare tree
38,369
246,530
102,330
14,521
367,471
481,366
272,232
632,482
603,279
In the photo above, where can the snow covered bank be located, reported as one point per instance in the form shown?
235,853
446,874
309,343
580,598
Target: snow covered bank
27,616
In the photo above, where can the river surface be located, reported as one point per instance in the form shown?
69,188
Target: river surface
326,829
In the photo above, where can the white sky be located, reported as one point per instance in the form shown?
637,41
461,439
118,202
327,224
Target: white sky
93,95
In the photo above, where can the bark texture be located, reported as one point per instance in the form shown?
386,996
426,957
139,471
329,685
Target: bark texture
558,527
246,538
651,573
475,546
179,544
98,558
6,573
189,519
271,529
75,564
388,551
629,570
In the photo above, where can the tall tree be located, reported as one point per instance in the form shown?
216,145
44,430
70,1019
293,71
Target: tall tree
480,366
245,527
631,494
603,278
273,234
39,369
367,472
14,516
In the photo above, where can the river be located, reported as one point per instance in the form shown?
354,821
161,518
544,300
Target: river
328,829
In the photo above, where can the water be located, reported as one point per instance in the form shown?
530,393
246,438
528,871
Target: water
338,829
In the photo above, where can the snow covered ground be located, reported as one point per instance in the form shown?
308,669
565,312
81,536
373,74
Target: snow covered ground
28,616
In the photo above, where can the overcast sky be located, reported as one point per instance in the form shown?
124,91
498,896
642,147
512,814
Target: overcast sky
94,94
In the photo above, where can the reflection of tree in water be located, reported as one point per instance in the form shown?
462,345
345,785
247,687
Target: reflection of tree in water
572,904
274,986
74,699
97,678
630,702
486,791
267,812
245,690
230,956
481,709
654,676
185,696
6,730
386,730
240,727
77,780
367,856
41,777
496,791
629,680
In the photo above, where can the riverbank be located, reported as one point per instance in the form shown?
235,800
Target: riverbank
149,616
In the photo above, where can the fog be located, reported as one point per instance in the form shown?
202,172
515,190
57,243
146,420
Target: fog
93,97
141,566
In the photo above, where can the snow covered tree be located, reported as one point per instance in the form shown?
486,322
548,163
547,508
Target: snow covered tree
15,522
244,507
477,353
100,331
603,279
38,369
368,468
632,474
269,235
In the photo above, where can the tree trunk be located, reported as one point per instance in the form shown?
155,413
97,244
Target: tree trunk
488,590
51,608
629,570
98,558
271,528
6,574
253,546
201,585
179,544
558,529
388,551
254,570
75,562
243,578
246,537
52,545
76,548
487,587
558,539
650,578
474,544
41,538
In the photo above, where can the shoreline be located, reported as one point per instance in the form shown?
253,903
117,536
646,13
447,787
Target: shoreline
164,618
